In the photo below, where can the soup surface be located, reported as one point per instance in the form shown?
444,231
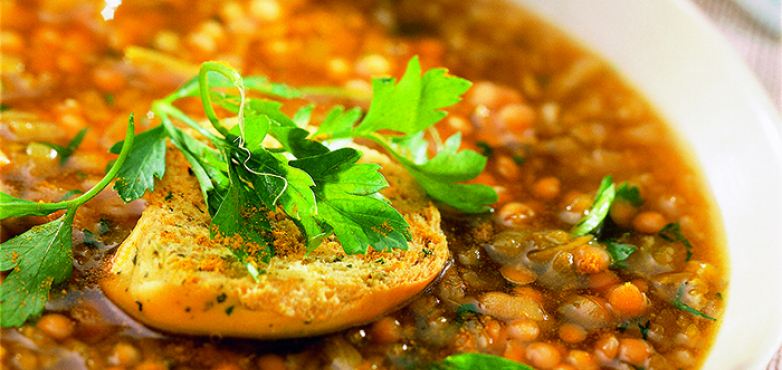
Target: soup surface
645,290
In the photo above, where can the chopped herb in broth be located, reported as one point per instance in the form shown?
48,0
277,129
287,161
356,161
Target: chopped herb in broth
601,251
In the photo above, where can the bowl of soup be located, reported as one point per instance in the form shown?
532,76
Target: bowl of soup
635,160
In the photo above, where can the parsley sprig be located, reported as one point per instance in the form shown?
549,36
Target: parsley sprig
41,258
606,194
679,304
468,361
410,108
66,151
320,186
596,215
599,209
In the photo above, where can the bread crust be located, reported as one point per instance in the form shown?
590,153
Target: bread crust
171,276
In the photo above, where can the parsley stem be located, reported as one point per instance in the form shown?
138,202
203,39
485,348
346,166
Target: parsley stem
203,82
380,140
42,209
123,154
383,142
190,89
165,110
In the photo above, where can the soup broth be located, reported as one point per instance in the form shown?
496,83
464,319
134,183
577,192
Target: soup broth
645,291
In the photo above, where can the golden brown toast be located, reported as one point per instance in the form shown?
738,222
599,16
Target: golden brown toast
171,276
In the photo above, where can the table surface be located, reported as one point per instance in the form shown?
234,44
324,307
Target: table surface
761,49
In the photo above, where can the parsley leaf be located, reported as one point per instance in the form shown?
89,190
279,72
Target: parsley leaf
319,186
414,103
71,193
466,310
348,201
631,194
619,253
672,233
440,175
90,239
338,122
67,151
485,148
146,161
236,217
410,107
207,165
598,210
11,206
38,259
41,257
470,361
277,182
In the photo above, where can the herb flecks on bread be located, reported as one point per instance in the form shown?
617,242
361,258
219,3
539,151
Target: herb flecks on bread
170,275
296,238
307,175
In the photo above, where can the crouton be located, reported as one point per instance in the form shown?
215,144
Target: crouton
169,274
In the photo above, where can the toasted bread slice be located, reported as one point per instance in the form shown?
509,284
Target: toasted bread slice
171,276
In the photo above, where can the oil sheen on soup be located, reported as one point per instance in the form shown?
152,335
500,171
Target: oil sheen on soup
645,291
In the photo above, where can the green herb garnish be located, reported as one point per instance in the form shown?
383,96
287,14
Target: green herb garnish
595,217
407,110
598,211
644,328
478,361
41,257
464,311
90,239
673,233
67,151
677,303
321,188
619,253
631,194
146,161
485,148
104,226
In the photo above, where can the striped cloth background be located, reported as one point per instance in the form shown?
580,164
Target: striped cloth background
760,46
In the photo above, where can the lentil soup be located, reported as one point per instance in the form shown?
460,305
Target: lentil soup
644,290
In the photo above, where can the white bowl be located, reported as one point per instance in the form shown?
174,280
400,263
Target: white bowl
677,59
